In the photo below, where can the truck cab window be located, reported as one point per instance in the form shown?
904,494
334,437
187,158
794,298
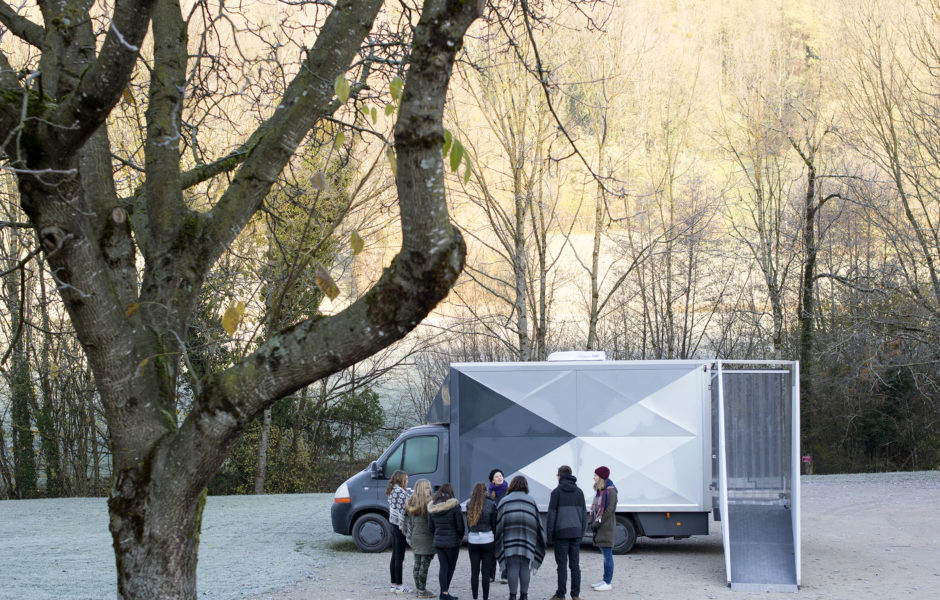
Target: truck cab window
415,455
394,461
421,455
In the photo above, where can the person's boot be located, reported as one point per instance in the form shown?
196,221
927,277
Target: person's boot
523,596
512,597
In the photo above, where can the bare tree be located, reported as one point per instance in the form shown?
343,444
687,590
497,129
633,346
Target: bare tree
132,324
510,188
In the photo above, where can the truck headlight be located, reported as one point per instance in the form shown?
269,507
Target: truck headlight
342,493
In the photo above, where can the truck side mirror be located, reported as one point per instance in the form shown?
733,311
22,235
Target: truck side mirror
376,470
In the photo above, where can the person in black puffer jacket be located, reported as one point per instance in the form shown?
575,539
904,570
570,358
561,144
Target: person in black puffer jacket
445,520
567,520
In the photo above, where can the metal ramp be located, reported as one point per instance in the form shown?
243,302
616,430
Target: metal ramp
757,422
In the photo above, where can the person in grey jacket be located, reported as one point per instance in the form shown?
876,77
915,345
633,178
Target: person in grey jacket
567,520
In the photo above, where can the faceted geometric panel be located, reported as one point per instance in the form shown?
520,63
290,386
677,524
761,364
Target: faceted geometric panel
438,412
480,454
602,393
677,471
550,393
545,469
641,421
644,423
680,402
478,402
497,433
651,471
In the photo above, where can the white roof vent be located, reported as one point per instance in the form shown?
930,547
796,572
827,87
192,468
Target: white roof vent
570,355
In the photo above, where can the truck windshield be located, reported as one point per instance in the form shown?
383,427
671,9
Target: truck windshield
415,455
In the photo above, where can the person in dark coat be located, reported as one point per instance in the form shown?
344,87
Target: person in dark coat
481,517
496,490
445,520
520,539
604,523
565,526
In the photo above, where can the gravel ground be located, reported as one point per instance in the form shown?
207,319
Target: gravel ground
865,537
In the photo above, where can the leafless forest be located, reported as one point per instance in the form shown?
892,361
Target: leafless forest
659,179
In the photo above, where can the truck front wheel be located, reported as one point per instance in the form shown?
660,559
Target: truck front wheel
624,535
372,533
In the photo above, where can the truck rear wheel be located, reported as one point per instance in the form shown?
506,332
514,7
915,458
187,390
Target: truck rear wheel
372,533
624,535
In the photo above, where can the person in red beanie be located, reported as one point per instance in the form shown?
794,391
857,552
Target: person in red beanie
604,522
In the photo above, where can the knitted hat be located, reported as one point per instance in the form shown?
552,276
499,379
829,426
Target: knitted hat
494,472
602,472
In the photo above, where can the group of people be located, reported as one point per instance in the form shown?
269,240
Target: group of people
503,526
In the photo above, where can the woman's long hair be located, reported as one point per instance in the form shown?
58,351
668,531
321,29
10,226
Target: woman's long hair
443,493
518,484
475,507
600,484
398,478
417,503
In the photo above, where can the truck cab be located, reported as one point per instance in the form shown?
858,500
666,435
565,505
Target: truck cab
360,507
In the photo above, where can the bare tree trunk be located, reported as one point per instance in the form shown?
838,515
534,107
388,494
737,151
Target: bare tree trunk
92,429
261,473
45,422
520,196
593,316
807,285
21,389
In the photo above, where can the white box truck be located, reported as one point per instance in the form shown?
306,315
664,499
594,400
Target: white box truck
656,424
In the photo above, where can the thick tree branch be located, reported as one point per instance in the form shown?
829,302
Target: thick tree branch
308,98
20,26
419,277
102,84
233,159
163,196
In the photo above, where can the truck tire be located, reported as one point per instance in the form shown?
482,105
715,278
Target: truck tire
624,535
372,533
